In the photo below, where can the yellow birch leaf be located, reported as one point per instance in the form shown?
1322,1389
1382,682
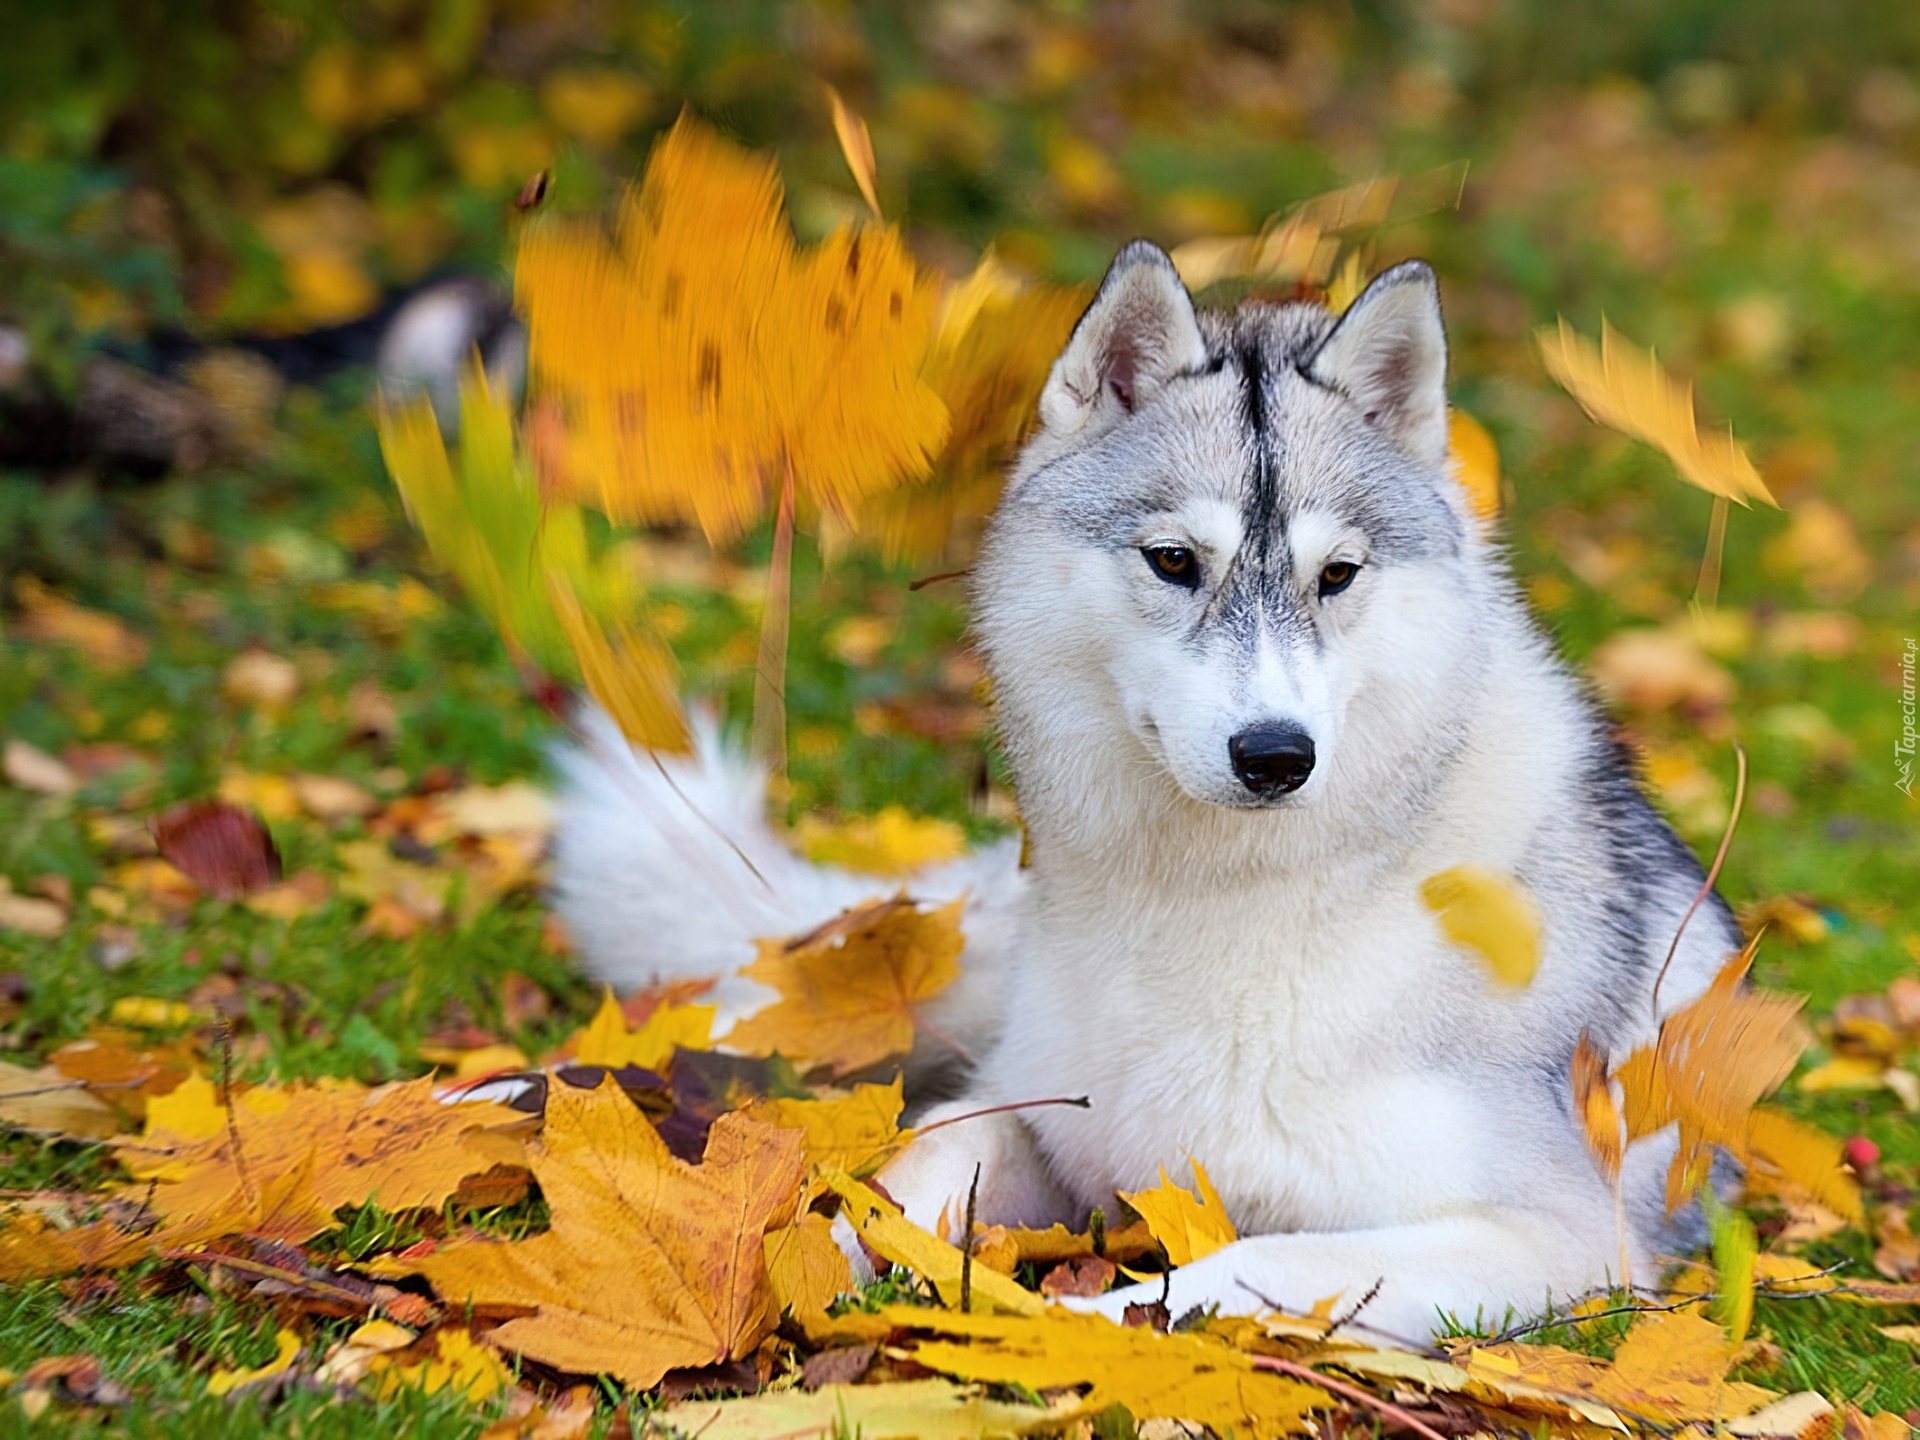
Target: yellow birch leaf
856,148
1624,388
857,1133
1192,1377
1475,462
1490,914
899,1240
848,990
1188,1228
287,1346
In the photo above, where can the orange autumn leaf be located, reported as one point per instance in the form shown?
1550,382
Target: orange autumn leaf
1673,1368
806,1268
696,351
1599,1115
651,1264
848,989
398,1146
1624,388
31,1249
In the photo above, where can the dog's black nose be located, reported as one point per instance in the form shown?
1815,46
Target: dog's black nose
1271,759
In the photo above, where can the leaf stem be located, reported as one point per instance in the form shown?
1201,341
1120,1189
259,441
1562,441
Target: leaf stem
1719,859
1078,1100
770,672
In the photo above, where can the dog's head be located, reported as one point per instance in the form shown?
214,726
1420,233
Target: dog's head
1230,540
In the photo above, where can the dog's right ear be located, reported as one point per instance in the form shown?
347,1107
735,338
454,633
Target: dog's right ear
1138,333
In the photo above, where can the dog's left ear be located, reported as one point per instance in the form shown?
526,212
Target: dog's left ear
1388,354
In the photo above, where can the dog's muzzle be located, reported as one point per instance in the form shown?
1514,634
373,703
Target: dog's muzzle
1271,759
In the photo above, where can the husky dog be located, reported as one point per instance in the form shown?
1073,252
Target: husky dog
1260,671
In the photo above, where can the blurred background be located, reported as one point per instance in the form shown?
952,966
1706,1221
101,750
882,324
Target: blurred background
210,213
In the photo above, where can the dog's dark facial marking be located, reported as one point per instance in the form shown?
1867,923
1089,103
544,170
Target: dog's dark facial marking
1174,564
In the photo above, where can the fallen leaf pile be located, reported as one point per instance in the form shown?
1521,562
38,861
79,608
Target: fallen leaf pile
702,1202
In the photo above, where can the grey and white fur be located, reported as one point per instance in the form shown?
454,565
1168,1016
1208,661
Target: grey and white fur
1259,670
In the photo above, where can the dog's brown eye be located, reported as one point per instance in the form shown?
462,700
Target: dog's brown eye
1337,576
1175,564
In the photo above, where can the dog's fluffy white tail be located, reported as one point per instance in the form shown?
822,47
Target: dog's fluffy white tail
653,881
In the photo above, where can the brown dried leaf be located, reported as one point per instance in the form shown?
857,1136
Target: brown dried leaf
223,849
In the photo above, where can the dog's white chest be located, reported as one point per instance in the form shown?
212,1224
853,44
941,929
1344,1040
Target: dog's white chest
1301,1087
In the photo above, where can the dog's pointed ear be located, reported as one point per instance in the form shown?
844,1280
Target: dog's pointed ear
1388,354
1138,333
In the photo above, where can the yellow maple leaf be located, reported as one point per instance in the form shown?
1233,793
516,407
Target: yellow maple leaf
696,352
848,990
1194,1377
605,1040
1673,1368
190,1111
896,1238
1624,388
32,1249
1785,1157
858,1132
892,842
1490,914
1187,1227
327,1146
651,1264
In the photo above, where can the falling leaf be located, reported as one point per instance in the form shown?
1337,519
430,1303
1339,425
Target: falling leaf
224,850
848,990
286,1348
856,147
606,1040
696,352
1599,1115
1490,914
892,843
1624,388
1188,1376
1475,462
895,1238
651,1264
1734,1251
924,1409
858,1132
1789,1158
31,768
632,676
1187,1227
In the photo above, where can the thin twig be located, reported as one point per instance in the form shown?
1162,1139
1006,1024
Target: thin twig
1404,1418
1767,1288
1358,1305
770,669
1719,859
966,1244
1079,1101
926,580
271,1272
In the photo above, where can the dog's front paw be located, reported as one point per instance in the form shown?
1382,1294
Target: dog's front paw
1216,1283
